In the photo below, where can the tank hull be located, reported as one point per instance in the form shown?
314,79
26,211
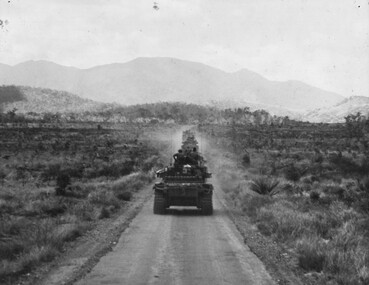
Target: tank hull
184,194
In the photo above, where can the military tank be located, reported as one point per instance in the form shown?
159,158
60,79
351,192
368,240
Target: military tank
184,182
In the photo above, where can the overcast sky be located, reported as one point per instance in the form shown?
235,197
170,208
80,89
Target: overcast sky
321,42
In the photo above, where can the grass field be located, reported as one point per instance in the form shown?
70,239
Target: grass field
56,183
307,190
305,187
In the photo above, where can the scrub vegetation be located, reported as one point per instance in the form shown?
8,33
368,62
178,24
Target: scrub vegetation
57,183
306,188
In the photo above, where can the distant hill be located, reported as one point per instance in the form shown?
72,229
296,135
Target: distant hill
338,112
148,80
41,100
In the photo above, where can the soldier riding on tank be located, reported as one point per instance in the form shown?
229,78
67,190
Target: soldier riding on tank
179,158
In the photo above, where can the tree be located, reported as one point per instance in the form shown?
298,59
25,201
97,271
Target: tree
355,125
11,114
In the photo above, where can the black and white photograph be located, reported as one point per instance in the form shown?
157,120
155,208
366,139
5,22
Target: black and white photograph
184,142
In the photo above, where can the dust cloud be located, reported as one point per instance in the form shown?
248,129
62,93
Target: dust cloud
228,172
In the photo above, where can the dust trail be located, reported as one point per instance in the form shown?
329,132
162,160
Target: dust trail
171,136
228,173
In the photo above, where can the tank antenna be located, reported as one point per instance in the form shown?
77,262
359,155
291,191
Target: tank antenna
201,147
171,148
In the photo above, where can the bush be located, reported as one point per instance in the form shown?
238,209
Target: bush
83,210
293,173
364,166
246,159
104,213
362,205
10,247
53,207
325,200
62,181
345,164
103,197
125,195
311,255
69,232
74,171
347,256
335,190
364,185
318,158
264,186
264,228
310,179
314,196
78,190
3,174
51,172
117,169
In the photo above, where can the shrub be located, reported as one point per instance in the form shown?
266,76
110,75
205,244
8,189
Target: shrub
311,253
364,165
264,186
103,197
51,172
84,210
362,205
325,200
125,195
114,169
347,256
345,164
314,196
78,190
10,247
318,158
74,171
68,232
264,228
335,190
364,184
53,207
62,181
104,213
293,173
246,159
3,175
310,179
41,233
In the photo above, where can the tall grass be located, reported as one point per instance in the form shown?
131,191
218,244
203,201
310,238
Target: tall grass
321,217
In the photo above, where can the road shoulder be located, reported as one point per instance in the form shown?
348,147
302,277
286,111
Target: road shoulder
84,253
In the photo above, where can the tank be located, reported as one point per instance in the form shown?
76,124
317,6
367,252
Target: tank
185,182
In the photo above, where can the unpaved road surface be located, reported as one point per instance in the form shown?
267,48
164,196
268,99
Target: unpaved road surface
181,247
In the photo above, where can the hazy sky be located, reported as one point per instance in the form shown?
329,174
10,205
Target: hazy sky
321,42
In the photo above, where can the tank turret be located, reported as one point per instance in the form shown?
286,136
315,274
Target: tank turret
185,182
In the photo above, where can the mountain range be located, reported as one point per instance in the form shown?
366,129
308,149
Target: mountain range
148,80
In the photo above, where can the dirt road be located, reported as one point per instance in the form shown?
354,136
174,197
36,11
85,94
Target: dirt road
181,247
